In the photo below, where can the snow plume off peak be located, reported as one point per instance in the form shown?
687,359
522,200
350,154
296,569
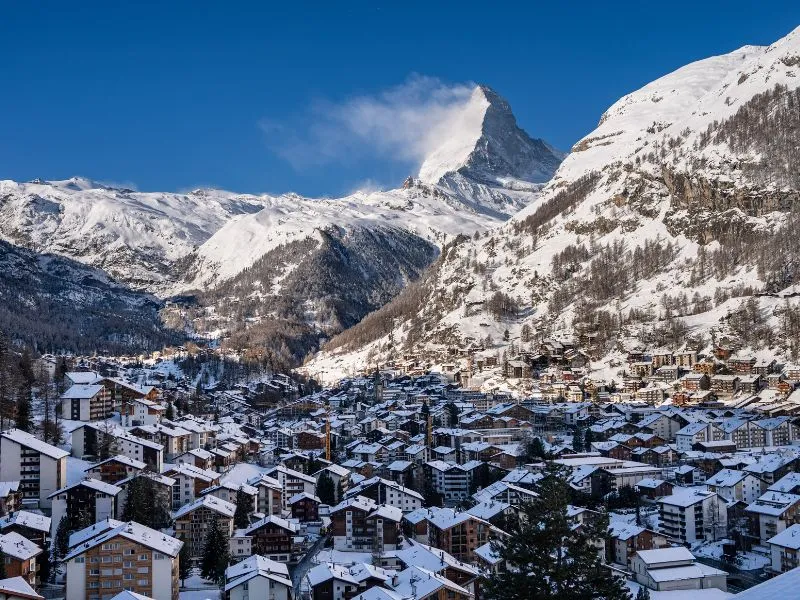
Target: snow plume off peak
420,119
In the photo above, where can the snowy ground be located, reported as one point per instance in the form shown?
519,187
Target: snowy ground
707,594
745,561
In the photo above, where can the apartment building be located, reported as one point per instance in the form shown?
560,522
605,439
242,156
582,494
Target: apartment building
86,402
692,515
40,468
107,559
193,520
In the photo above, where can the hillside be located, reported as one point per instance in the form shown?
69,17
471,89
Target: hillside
55,304
673,223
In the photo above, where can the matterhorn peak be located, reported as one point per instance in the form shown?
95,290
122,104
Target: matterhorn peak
481,140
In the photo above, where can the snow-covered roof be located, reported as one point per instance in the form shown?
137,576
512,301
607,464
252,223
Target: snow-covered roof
773,503
82,391
19,547
210,502
653,558
120,458
24,518
788,538
684,497
93,484
155,540
272,519
726,478
24,438
17,587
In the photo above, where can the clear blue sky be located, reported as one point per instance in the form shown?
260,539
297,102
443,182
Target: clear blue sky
172,95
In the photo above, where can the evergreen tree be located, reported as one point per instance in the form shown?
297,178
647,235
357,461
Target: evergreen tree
216,554
534,449
184,564
313,464
643,593
144,504
326,491
430,495
23,418
61,543
170,412
2,565
244,503
577,440
547,558
339,491
588,438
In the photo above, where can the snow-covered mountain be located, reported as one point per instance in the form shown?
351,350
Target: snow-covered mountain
488,170
135,237
674,222
313,267
274,266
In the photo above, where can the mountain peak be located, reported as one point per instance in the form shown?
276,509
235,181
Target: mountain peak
482,140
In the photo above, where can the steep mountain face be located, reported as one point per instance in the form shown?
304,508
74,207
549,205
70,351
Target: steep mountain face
54,304
282,273
135,237
674,222
485,171
490,147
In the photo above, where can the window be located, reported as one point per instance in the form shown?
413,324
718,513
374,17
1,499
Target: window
143,557
127,564
80,559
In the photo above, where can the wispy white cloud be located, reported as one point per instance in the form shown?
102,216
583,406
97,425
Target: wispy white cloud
403,123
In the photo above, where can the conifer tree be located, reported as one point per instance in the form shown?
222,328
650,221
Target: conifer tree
2,565
643,593
547,558
241,518
61,543
588,438
577,440
325,489
184,564
216,554
170,412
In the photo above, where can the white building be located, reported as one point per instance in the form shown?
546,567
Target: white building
668,569
785,549
258,577
86,402
693,514
40,468
736,486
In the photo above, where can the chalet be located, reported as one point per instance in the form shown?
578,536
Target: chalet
258,577
292,482
651,489
141,411
115,468
736,486
274,538
21,557
192,521
89,498
305,507
725,384
785,549
330,581
675,569
270,494
32,526
189,483
95,440
198,457
774,512
626,539
385,491
10,497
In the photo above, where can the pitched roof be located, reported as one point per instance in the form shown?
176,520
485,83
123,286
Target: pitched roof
24,438
155,540
218,505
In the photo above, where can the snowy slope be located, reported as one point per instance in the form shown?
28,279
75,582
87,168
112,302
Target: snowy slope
133,236
485,170
657,229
